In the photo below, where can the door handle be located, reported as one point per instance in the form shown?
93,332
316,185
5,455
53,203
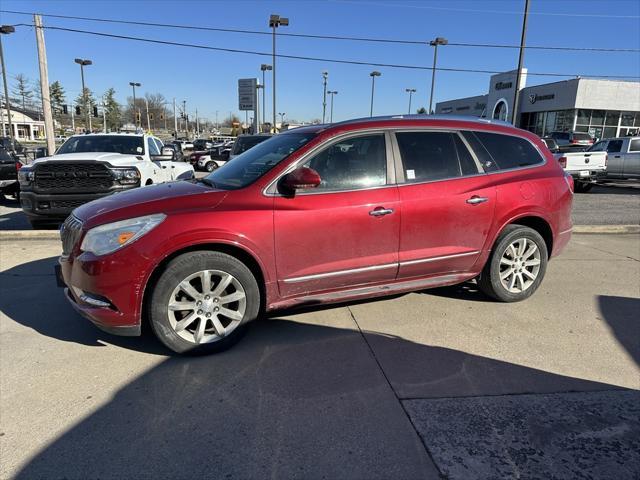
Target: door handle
616,156
380,212
475,200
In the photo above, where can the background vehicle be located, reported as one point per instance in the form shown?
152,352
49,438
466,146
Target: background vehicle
586,168
307,217
92,166
572,141
185,143
624,157
207,160
17,147
178,156
9,166
551,144
202,144
245,142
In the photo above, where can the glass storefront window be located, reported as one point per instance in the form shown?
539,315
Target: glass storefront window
609,132
612,118
597,117
584,117
627,119
582,128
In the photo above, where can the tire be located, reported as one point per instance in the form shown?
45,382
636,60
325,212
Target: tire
181,330
490,281
582,187
211,166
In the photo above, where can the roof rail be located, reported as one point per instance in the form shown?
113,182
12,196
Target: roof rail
465,118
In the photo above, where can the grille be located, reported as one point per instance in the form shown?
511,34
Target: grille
70,234
78,177
67,204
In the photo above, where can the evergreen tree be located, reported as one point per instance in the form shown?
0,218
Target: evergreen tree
86,103
421,110
114,111
57,95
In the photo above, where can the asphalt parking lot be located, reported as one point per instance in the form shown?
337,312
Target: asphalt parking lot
436,384
613,204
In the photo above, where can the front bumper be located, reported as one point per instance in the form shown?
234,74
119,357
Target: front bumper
37,205
115,280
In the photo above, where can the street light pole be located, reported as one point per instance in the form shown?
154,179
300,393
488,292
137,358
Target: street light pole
275,21
435,43
373,76
264,67
325,74
332,93
5,30
281,118
135,116
82,64
410,91
516,98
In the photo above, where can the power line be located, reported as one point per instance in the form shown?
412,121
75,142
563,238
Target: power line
315,59
320,37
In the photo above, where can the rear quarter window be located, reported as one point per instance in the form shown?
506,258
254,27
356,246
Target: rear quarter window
635,145
509,151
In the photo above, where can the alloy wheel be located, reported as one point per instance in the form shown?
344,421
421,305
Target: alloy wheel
519,265
207,306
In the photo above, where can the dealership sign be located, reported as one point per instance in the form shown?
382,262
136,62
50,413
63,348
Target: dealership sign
534,97
503,85
247,93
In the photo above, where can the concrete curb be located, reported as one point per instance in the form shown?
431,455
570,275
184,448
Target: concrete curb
577,229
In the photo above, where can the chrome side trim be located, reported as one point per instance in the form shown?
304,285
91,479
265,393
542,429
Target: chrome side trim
437,259
340,272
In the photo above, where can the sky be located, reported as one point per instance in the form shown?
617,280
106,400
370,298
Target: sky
207,79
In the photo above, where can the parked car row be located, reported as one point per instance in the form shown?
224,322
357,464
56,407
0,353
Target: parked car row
9,166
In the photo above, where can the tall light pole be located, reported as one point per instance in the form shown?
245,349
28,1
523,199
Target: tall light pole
84,63
257,128
135,116
281,118
332,93
523,38
410,91
186,118
373,76
6,30
275,21
325,74
434,44
264,67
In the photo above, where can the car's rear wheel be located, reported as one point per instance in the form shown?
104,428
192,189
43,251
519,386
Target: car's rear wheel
211,166
516,266
582,187
202,302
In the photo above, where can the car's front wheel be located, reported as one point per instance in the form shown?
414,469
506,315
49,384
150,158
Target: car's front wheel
202,302
516,266
211,166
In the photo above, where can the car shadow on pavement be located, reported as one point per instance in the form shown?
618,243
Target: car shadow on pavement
617,189
31,297
468,291
291,400
622,314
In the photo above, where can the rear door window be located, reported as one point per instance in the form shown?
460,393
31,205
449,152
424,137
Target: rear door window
509,151
635,145
429,156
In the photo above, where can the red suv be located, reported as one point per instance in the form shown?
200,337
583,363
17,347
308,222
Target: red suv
317,215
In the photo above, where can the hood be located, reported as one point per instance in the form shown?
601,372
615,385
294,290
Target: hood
162,198
109,157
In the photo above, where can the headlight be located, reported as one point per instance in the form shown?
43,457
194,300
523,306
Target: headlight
26,176
126,176
113,236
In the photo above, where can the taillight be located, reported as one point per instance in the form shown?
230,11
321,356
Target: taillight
18,166
606,159
569,179
563,162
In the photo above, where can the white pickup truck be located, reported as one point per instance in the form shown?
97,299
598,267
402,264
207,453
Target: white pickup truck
586,168
87,167
624,157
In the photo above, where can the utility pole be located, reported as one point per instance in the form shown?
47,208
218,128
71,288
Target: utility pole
197,125
410,91
275,21
146,102
325,74
104,115
73,119
256,113
332,93
44,85
5,30
175,119
516,97
373,76
186,119
264,67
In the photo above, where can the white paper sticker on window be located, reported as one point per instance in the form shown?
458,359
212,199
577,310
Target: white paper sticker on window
411,174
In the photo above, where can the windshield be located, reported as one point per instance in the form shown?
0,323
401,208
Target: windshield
243,144
254,163
128,145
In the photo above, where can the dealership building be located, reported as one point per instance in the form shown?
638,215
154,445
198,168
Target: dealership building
603,108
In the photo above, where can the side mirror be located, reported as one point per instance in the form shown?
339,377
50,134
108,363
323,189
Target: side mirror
168,152
300,178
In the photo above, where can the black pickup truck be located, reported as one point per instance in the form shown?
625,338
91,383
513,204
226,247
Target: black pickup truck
9,166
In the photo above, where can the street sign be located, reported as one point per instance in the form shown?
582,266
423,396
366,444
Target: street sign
247,93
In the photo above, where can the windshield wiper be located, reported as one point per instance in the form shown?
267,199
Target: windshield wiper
206,181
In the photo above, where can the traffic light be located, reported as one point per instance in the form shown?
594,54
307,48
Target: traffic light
161,116
95,111
151,116
77,110
137,116
65,110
